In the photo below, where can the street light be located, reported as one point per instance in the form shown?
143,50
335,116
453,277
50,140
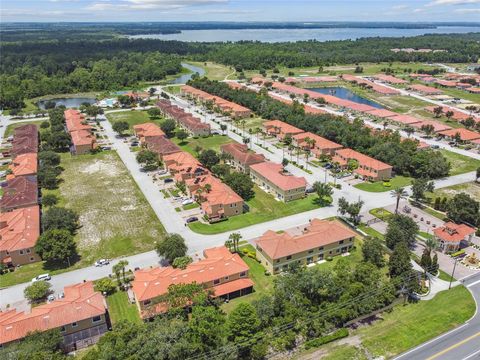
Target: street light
453,272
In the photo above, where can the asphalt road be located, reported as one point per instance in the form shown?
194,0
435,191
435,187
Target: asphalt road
462,343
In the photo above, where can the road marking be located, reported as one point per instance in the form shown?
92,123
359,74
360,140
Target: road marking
471,355
454,346
474,283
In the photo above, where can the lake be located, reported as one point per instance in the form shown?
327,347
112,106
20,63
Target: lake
346,94
288,35
182,79
68,102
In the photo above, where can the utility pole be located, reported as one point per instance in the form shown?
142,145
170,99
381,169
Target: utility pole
453,272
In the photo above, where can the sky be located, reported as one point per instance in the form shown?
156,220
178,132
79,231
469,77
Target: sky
239,10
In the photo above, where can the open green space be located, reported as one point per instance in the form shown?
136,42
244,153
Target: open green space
460,163
211,142
470,188
263,207
381,186
263,283
133,117
120,308
115,218
462,94
215,71
371,231
381,213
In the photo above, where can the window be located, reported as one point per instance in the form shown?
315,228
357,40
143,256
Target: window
243,273
96,319
310,251
226,277
32,259
28,251
289,257
147,302
330,252
216,281
21,252
74,324
320,248
340,242
338,250
62,329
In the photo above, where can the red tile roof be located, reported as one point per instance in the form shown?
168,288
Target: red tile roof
80,302
284,128
25,140
232,286
320,142
218,263
363,159
452,232
437,127
390,79
382,113
148,130
405,119
317,233
21,191
241,153
162,146
24,164
19,229
465,135
274,173
222,103
425,89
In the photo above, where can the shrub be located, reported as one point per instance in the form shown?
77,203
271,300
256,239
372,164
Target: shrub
37,291
458,253
329,258
106,286
339,334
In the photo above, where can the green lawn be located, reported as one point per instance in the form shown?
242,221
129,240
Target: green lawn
115,217
211,142
371,232
133,117
11,127
460,163
215,71
471,188
263,283
381,213
409,326
378,186
190,206
120,308
263,207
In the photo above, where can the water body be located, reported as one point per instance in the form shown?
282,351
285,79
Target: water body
68,102
182,79
346,94
289,35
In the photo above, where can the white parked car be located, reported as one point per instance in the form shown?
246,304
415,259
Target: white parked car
102,262
42,277
187,202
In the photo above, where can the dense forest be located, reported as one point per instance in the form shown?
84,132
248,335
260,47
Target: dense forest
50,65
387,147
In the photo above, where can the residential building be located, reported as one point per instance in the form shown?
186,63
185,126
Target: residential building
426,90
147,131
242,157
317,241
368,168
25,140
317,144
280,129
463,134
272,178
83,139
22,165
19,232
183,166
81,316
162,146
223,274
218,200
191,124
451,236
19,192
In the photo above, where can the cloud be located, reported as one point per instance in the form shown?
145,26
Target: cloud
151,4
400,7
467,11
418,10
452,2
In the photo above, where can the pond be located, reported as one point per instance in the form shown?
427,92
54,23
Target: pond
346,94
74,102
182,79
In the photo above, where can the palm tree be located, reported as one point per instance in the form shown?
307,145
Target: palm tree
399,193
323,190
207,188
229,244
431,244
117,269
235,238
122,264
307,155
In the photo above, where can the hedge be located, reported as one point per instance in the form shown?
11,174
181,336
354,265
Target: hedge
339,334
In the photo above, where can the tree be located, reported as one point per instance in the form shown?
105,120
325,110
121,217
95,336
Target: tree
94,111
49,200
172,247
168,127
224,128
323,190
401,228
463,208
285,162
120,127
438,111
420,186
428,129
398,193
154,112
38,346
209,158
235,239
182,262
206,327
37,291
60,218
105,286
148,159
352,209
449,114
229,245
240,183
117,270
44,125
122,265
242,325
56,245
47,177
399,263
373,251
181,135
477,174
48,158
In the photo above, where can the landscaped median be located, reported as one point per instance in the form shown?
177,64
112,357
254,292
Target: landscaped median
262,207
381,186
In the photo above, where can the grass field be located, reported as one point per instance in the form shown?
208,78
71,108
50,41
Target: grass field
120,308
471,188
215,71
131,117
115,218
212,142
263,207
397,181
460,163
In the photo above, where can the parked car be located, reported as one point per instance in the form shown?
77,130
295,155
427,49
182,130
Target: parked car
435,147
42,277
51,297
187,202
327,166
102,262
106,148
168,180
192,219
